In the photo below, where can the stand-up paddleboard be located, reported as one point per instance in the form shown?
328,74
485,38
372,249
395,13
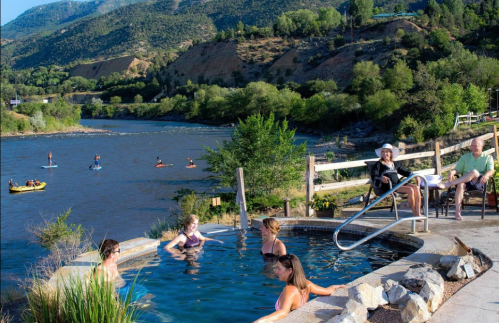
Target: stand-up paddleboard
191,166
52,166
164,165
96,168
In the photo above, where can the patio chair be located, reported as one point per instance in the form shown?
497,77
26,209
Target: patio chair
471,194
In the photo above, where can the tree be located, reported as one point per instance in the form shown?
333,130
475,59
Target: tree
361,11
115,100
381,105
399,78
138,99
265,149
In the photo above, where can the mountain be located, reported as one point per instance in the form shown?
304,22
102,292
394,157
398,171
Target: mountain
147,26
47,18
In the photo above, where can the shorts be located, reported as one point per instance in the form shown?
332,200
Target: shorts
475,187
96,162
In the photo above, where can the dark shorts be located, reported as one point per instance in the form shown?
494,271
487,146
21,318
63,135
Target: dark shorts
96,162
474,187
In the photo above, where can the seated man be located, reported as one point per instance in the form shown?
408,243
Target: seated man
477,169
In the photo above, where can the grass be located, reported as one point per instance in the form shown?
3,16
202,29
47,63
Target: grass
75,300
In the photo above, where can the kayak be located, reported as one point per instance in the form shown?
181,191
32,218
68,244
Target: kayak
52,166
191,166
163,165
19,189
96,168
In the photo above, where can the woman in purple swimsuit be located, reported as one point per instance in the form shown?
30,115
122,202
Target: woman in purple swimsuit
297,290
190,237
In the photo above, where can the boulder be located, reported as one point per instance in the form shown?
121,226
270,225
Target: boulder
416,310
457,271
417,275
389,284
433,295
370,297
398,295
343,318
354,312
446,262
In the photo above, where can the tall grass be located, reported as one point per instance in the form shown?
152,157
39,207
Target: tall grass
77,300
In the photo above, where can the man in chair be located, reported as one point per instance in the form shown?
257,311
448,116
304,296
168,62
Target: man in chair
477,169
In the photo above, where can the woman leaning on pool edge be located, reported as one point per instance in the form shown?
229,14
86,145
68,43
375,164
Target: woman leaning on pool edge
190,237
297,289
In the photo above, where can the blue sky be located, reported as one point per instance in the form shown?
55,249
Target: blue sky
13,8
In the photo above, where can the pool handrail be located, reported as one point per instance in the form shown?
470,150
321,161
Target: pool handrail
398,221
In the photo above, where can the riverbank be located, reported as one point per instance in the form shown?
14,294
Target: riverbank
68,130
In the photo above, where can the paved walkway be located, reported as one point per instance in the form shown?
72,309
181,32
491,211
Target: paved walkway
477,302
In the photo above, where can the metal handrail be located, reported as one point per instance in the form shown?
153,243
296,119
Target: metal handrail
413,219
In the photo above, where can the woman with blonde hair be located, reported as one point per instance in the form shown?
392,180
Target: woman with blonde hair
271,247
297,289
190,237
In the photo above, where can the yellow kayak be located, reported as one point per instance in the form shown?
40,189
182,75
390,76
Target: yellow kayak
18,189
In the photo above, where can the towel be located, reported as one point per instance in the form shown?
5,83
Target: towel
432,180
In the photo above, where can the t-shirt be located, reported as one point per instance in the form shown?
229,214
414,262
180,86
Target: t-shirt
468,162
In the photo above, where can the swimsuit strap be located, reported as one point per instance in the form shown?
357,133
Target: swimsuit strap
272,250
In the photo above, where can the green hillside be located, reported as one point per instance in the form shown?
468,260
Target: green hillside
50,17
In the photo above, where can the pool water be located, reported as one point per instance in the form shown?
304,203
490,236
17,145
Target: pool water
231,282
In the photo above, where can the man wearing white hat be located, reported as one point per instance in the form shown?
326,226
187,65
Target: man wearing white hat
386,170
477,169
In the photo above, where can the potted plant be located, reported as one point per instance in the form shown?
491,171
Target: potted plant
490,193
324,206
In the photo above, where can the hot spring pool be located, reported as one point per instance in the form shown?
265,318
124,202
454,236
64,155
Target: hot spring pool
231,282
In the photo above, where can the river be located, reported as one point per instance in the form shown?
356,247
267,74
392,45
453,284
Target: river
120,201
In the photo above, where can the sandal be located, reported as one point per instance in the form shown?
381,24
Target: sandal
459,218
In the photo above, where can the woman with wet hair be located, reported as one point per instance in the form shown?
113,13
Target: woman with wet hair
107,270
271,246
190,237
297,289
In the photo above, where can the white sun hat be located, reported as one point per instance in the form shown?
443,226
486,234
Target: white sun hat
395,150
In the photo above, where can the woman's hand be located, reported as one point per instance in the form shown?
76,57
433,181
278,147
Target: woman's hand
333,288
385,179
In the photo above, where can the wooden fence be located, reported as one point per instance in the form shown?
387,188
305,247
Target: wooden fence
471,118
435,154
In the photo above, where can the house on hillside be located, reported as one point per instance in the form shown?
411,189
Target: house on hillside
395,15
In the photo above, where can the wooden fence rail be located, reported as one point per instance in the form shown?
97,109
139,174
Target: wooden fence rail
470,118
436,153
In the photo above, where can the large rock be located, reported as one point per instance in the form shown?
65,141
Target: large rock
457,271
398,295
433,295
416,310
389,284
371,297
354,312
446,262
417,275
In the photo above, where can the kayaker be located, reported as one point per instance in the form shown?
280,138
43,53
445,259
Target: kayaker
191,162
50,158
96,160
158,161
37,182
29,183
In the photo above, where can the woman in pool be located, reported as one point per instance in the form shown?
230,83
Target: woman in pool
107,270
190,237
271,247
297,289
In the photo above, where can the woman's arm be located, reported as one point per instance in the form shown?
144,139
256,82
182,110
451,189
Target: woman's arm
202,238
174,242
287,296
323,291
401,170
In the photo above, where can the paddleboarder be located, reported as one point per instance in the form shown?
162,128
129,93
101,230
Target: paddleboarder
191,162
96,161
50,158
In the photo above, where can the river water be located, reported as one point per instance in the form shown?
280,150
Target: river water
120,201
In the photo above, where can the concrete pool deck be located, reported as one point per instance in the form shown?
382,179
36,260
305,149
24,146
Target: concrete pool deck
478,301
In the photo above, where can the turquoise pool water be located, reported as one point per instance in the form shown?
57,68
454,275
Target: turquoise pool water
231,282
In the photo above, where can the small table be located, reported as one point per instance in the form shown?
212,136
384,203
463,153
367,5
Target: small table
434,198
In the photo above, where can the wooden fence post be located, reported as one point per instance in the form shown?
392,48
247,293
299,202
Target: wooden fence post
437,162
401,147
309,184
241,198
493,129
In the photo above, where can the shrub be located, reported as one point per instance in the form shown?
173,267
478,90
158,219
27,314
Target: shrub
324,203
37,121
52,231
